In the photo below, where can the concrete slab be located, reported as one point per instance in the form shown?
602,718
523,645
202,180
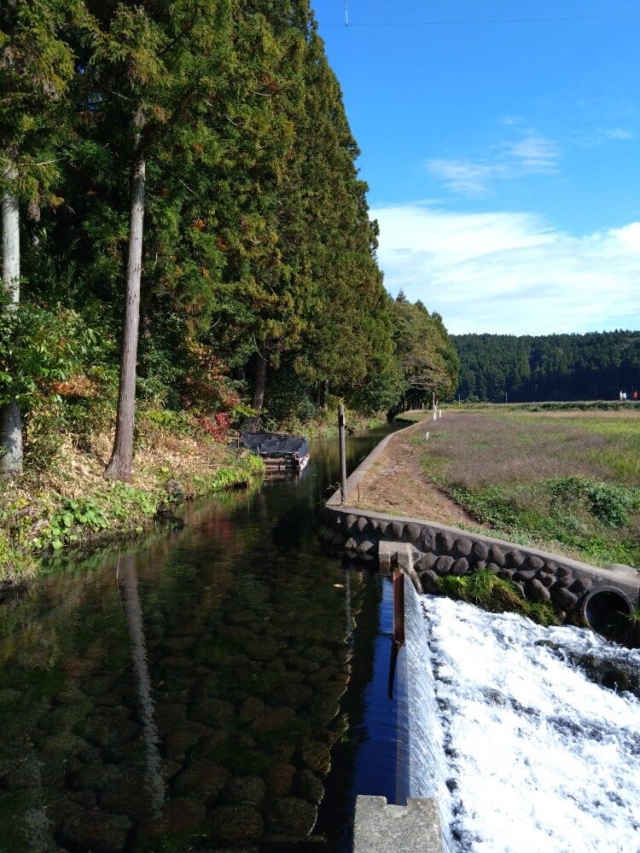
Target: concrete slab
383,828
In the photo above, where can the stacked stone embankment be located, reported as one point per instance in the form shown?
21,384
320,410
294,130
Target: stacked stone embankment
576,590
439,550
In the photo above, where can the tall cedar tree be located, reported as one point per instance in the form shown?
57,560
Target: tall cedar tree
37,66
140,76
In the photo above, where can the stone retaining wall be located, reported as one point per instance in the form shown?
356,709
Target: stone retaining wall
575,589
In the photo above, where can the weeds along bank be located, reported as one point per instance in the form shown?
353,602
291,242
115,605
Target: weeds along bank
63,500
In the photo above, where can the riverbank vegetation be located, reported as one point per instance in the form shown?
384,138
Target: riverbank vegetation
68,503
184,225
566,481
186,248
593,366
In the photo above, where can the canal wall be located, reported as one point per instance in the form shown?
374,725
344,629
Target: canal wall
577,590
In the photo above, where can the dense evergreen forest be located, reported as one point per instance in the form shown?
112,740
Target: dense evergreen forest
593,366
184,228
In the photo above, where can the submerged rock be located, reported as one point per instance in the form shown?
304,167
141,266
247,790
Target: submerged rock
236,825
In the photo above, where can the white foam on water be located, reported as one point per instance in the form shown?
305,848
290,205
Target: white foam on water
539,757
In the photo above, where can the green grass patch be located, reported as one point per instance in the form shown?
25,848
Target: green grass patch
494,594
565,481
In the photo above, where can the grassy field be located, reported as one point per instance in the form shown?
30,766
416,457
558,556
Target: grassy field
566,481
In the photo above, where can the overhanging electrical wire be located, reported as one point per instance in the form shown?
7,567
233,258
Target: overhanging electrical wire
480,21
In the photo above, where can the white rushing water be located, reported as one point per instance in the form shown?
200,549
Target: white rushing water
537,757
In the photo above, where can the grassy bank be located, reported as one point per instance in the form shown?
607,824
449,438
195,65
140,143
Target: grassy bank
67,503
564,480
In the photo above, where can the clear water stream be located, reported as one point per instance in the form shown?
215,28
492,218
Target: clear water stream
184,693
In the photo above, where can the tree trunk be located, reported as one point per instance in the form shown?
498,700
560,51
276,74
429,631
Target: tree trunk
259,386
10,417
119,467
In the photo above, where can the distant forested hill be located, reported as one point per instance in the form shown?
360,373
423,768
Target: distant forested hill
597,365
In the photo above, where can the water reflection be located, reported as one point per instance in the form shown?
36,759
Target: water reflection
188,696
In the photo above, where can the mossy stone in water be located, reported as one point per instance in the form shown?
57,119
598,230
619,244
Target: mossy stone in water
279,779
204,780
307,786
262,648
236,825
324,708
63,746
292,818
295,695
64,717
316,756
95,830
107,732
251,708
247,790
216,713
9,698
167,715
178,644
319,654
128,794
178,742
94,777
271,720
34,773
179,819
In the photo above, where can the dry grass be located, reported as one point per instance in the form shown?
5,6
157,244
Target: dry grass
567,482
479,449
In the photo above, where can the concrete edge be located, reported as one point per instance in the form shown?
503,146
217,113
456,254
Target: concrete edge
382,828
357,476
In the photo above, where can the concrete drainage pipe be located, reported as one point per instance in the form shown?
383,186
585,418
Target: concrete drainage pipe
607,611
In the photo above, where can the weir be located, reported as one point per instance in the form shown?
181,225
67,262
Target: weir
515,734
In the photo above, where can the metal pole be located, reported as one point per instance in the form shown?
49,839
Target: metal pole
343,453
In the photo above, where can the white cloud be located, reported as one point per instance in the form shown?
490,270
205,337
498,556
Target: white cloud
618,133
531,154
510,272
466,177
535,153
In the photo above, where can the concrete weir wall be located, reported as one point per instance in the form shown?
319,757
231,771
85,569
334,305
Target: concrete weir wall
576,589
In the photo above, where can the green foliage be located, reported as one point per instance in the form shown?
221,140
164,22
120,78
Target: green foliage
610,503
487,590
65,523
40,348
492,505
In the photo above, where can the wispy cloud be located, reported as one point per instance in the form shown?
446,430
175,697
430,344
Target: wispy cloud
530,154
535,153
618,133
466,177
510,272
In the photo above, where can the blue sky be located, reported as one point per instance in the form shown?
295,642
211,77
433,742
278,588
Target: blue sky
501,144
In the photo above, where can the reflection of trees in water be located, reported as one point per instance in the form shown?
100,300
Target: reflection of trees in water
127,580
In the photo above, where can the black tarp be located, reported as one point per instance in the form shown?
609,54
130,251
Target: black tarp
274,444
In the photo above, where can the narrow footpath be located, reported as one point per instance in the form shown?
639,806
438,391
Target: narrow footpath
397,484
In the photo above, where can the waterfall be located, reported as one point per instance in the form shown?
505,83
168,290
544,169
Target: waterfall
509,731
421,766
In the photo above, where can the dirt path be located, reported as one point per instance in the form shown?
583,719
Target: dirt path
396,484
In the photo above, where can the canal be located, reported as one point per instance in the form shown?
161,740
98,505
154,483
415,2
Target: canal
215,687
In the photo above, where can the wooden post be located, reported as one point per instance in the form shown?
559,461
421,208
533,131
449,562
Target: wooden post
343,453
